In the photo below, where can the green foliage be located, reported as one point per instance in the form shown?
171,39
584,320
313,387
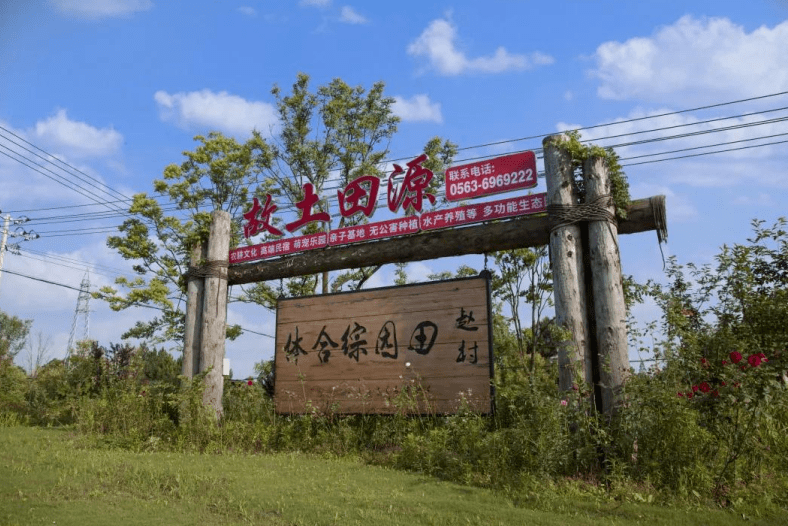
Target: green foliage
217,175
13,334
51,476
524,275
334,130
12,391
717,405
618,180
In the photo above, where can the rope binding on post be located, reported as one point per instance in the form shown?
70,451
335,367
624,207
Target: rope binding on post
595,210
213,268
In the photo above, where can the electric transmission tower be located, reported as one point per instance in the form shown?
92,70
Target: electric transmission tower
83,308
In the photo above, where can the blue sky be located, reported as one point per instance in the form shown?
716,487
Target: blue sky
118,88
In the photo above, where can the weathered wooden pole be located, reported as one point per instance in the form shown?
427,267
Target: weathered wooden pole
192,337
610,310
214,312
574,355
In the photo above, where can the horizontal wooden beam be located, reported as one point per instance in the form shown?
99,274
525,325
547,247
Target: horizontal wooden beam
520,232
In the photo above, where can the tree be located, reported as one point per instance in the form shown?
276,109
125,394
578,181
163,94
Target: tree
13,334
329,138
37,353
217,175
326,138
524,274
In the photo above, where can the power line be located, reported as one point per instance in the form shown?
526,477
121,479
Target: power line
331,197
42,280
132,305
83,264
60,161
706,146
706,153
56,177
64,265
627,121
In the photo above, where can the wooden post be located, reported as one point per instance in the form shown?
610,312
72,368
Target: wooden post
214,312
609,307
195,286
567,262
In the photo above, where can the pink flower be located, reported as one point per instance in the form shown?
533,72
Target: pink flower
705,387
680,394
704,362
723,383
725,362
694,388
563,402
754,360
762,357
250,382
689,395
736,356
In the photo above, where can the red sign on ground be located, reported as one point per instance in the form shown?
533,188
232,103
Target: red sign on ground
492,176
475,213
379,230
280,247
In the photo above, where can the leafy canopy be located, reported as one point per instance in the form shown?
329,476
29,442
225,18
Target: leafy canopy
217,175
326,137
13,334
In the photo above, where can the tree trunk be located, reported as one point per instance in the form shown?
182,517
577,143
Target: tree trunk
609,308
192,339
214,314
574,355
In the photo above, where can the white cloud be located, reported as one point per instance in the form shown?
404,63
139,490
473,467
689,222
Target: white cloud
678,205
417,108
438,44
208,110
248,11
695,60
315,3
350,16
76,138
762,200
96,9
27,186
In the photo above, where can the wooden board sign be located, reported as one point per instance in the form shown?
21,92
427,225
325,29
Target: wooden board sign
414,349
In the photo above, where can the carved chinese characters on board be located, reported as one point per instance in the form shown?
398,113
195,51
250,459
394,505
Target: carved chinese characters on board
364,347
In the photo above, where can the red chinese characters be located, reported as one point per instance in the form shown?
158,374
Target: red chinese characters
411,191
305,206
361,195
259,218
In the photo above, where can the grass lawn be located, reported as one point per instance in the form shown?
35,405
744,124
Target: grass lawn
47,476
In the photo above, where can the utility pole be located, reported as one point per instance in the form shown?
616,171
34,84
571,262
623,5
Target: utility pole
2,243
25,235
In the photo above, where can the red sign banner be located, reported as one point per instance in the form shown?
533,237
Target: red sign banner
370,231
492,176
475,213
279,247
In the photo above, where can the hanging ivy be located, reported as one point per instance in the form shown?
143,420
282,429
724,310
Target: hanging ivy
619,186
